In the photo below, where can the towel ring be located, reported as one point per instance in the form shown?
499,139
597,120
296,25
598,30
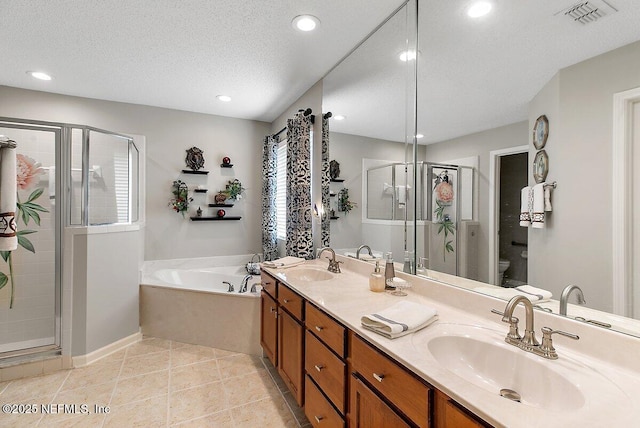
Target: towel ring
552,185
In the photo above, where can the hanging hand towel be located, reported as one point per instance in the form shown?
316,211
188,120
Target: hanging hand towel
284,262
547,199
537,216
526,204
400,319
8,191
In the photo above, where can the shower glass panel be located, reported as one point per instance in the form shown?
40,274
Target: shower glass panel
380,195
403,208
29,319
75,177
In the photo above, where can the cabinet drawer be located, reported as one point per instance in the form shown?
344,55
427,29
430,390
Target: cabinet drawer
268,284
326,369
317,408
328,330
290,301
396,384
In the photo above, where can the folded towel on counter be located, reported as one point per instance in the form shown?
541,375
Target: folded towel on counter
400,319
8,192
526,205
284,262
536,295
537,215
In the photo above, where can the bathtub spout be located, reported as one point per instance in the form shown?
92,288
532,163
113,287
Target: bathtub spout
231,289
243,284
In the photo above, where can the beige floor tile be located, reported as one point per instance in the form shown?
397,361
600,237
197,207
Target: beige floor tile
267,413
190,354
14,420
144,414
3,386
90,395
141,388
237,365
251,387
148,346
39,386
178,345
183,377
78,421
195,402
221,353
217,420
147,363
116,356
92,374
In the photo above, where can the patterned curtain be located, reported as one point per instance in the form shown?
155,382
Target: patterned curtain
325,225
269,159
299,234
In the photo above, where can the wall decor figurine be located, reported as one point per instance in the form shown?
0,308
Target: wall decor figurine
195,158
221,213
226,160
220,197
334,169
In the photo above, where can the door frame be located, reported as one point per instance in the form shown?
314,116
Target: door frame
622,201
494,205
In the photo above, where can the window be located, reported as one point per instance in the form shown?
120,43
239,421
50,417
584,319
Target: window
281,191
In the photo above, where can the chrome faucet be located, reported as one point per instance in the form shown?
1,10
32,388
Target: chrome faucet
334,265
243,283
230,290
361,247
528,342
564,297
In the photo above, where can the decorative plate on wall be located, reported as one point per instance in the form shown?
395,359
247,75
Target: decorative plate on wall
540,132
195,158
540,166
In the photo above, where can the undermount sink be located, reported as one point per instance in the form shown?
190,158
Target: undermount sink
307,274
481,357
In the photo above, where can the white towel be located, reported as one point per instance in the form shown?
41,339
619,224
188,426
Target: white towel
536,295
364,256
8,192
526,204
400,319
52,182
284,262
537,216
547,199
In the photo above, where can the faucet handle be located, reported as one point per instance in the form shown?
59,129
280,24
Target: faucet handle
513,334
547,343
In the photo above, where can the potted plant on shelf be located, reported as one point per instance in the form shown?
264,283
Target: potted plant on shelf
233,189
344,204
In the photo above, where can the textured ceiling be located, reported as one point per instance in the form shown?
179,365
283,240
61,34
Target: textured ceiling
473,75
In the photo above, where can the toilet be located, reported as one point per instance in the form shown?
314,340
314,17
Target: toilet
503,265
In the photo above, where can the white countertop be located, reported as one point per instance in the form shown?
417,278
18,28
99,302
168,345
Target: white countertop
610,356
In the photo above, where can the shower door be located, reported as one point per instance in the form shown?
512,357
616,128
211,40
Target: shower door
30,297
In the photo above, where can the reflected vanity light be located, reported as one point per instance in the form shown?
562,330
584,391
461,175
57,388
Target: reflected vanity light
418,136
223,98
39,75
305,23
407,56
339,117
318,213
479,9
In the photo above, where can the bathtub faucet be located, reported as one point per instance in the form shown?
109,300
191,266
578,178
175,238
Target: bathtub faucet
230,290
243,284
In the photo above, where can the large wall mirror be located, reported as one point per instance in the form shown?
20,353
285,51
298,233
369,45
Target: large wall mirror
481,84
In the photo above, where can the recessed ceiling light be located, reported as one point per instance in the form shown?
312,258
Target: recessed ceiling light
407,56
305,22
224,98
339,117
419,136
479,9
39,75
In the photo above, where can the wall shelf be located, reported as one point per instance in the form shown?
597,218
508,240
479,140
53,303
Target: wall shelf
220,205
200,190
337,180
334,217
228,165
215,218
190,171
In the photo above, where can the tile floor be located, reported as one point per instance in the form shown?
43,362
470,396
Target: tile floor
157,383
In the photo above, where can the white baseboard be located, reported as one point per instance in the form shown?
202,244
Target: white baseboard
83,360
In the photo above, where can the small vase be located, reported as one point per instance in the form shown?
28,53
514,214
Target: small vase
220,198
221,213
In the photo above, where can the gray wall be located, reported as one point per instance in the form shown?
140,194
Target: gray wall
480,144
575,247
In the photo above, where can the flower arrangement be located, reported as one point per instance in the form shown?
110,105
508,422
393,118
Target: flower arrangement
28,173
344,204
180,201
234,189
446,226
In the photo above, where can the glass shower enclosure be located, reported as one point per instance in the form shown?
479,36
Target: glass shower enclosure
68,176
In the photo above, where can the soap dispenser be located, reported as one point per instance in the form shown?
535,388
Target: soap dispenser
376,279
389,272
408,264
421,269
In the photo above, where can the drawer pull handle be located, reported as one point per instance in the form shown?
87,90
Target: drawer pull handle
319,328
378,377
286,300
272,309
318,418
319,368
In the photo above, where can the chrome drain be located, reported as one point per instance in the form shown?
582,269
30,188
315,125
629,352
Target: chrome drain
510,394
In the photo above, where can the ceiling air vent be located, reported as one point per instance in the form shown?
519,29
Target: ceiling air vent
586,12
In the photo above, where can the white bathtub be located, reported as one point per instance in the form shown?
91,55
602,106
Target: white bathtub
186,300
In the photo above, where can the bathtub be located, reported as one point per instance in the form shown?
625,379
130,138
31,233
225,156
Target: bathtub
186,300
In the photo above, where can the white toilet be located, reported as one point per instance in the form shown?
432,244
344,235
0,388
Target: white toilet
503,265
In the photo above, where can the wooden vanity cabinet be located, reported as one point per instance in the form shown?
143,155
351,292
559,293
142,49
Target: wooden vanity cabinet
448,414
367,409
269,327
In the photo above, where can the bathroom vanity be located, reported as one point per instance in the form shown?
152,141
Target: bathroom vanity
344,375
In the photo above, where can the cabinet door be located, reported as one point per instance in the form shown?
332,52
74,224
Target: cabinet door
367,410
269,327
290,354
448,415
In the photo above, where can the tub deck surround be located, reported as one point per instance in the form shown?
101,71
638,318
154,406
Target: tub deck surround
609,356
